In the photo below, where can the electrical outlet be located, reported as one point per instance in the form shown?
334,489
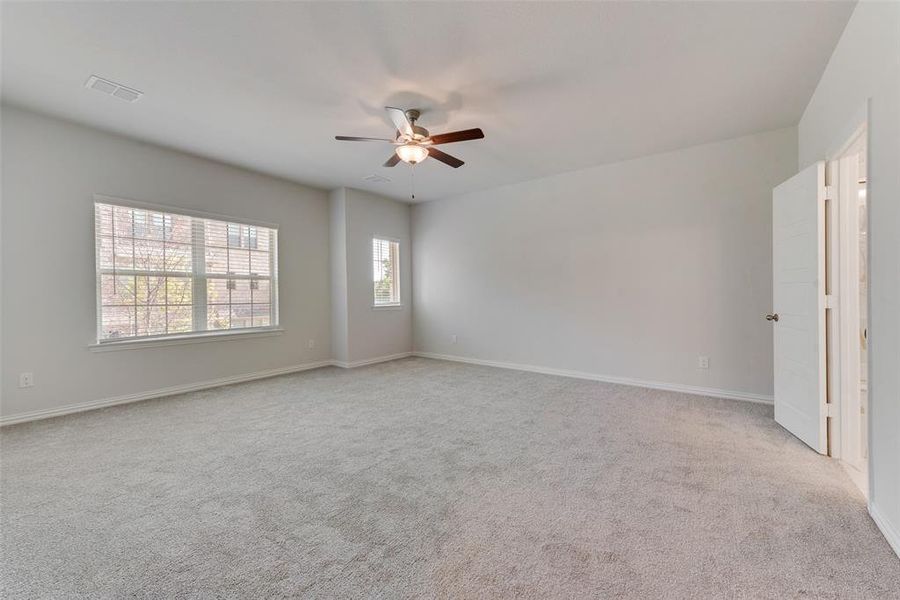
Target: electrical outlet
311,344
26,380
453,339
703,362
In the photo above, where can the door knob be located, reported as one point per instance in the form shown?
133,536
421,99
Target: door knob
772,317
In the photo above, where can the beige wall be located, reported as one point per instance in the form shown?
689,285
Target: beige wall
51,169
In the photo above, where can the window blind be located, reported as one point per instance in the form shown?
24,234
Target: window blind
385,271
162,274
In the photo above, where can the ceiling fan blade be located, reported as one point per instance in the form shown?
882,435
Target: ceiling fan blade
350,138
445,158
457,136
398,116
393,160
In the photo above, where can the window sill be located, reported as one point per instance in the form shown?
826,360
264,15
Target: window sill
188,338
387,307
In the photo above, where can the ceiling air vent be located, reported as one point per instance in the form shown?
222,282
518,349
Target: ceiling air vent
374,178
112,88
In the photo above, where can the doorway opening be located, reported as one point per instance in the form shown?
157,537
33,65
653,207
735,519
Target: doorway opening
847,309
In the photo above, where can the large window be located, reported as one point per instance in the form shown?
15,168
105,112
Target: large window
162,274
385,271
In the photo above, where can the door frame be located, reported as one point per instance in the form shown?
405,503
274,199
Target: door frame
841,359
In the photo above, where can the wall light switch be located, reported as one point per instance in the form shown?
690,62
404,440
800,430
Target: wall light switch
311,344
26,380
703,362
453,339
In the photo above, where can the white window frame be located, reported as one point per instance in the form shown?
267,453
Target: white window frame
199,290
394,304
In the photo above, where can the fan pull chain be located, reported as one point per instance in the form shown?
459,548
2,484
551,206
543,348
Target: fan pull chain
412,182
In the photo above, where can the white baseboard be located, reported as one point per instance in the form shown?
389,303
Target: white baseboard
202,385
190,387
158,393
370,361
656,385
890,534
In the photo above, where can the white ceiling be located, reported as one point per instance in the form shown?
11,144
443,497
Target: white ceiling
555,86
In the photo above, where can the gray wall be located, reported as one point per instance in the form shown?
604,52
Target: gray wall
630,270
864,71
340,332
369,333
51,169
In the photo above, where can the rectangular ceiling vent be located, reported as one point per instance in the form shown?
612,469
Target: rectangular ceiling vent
112,88
374,178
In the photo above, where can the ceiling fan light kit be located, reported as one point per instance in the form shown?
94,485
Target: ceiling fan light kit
412,153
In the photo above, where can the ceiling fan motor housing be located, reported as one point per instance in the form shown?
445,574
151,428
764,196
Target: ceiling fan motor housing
419,134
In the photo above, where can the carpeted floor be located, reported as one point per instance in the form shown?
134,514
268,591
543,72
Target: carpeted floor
428,479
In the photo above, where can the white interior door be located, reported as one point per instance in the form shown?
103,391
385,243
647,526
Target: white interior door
798,256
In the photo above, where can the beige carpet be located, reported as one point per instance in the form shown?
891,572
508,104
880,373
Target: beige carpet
427,479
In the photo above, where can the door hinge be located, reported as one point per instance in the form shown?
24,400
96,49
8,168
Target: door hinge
830,192
831,301
829,410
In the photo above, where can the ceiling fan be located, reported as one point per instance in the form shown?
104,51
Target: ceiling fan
413,144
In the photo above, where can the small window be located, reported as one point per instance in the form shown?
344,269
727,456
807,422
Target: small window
140,224
242,236
161,274
234,235
386,271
